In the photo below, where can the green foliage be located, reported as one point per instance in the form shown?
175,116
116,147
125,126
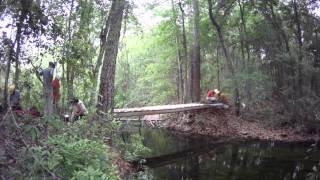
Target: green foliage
68,157
71,154
91,173
135,149
73,151
150,77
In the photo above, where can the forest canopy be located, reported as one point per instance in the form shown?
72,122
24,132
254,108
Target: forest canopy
66,65
129,54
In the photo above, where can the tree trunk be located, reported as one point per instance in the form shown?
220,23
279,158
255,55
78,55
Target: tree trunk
18,48
70,78
69,70
299,39
227,56
185,56
6,82
179,74
218,67
196,54
107,89
96,71
244,46
244,28
180,81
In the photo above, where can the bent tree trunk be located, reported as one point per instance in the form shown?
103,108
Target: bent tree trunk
107,90
227,56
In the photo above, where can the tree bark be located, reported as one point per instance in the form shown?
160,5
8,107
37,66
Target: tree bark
96,71
299,39
244,46
179,74
9,49
69,69
18,48
185,56
180,81
227,56
218,67
196,94
107,89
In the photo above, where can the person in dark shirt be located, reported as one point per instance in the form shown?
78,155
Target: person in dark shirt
47,75
14,97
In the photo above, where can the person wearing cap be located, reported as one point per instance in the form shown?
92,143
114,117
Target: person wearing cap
211,96
14,97
47,75
78,109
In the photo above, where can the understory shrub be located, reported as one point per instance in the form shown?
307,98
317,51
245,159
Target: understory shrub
69,158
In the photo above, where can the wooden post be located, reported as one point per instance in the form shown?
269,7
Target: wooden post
140,125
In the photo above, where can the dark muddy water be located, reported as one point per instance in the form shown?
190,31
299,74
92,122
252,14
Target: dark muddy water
178,157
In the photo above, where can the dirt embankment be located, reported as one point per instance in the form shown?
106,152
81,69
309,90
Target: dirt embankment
222,123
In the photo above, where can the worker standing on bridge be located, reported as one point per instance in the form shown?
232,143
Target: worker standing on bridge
78,109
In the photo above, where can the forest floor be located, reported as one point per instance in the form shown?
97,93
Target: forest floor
224,124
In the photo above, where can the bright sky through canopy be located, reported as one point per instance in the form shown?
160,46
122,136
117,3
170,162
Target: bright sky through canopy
146,16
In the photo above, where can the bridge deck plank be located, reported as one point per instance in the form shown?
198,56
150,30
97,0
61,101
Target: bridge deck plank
149,110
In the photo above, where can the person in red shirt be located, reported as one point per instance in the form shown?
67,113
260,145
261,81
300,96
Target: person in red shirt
211,96
56,90
55,93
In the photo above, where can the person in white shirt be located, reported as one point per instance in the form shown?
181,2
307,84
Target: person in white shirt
78,109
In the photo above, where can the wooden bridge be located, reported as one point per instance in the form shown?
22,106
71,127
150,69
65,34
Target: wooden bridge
163,109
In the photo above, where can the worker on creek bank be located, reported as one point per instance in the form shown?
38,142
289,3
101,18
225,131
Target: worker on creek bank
14,98
211,96
221,97
55,93
78,109
216,96
47,75
15,104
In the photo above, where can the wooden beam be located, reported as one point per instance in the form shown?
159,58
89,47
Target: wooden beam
164,109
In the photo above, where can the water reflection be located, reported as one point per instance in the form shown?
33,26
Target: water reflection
178,157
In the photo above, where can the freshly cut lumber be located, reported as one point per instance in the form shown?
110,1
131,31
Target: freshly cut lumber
149,110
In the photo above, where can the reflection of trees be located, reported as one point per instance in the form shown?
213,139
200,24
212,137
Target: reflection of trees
232,161
160,142
259,160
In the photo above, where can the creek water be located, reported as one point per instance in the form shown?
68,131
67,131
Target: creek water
177,157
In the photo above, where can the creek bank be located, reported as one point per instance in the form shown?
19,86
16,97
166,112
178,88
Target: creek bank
220,123
124,167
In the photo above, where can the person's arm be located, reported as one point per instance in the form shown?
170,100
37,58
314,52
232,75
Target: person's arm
82,109
72,114
40,72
